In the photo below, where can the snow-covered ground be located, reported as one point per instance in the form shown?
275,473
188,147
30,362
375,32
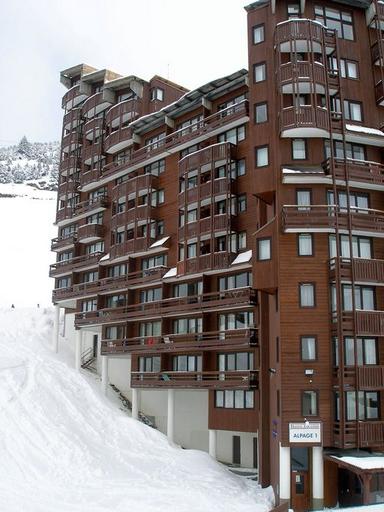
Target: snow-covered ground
66,448
26,227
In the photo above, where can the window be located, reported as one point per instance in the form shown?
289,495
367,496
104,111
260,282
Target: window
89,305
239,361
155,168
293,11
238,399
65,256
308,348
154,261
234,136
261,113
157,197
299,149
187,363
115,301
309,403
362,405
303,199
361,247
353,151
341,21
305,244
235,281
117,270
191,216
96,218
188,289
157,94
261,156
258,34
353,111
90,277
238,320
237,169
366,351
155,142
191,250
150,329
189,150
358,202
364,297
63,282
259,72
149,364
94,248
187,325
241,203
264,249
348,69
231,103
307,295
151,295
115,332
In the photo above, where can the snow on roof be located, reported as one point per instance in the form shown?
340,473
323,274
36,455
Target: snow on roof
172,272
105,257
301,19
160,242
364,129
243,257
363,462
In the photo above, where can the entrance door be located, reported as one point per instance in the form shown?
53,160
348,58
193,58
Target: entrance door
300,479
236,457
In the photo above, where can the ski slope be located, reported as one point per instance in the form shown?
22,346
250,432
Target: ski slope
66,448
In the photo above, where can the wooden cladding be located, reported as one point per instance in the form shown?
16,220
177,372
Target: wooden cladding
365,270
371,433
62,267
215,340
370,378
359,171
304,116
307,30
246,379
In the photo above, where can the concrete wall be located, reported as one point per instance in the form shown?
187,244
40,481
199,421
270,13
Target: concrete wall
224,447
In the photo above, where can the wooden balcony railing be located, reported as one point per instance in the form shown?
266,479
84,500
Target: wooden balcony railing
130,247
71,163
223,152
175,139
95,104
72,97
59,243
211,261
199,380
90,176
124,111
72,118
242,297
215,340
68,187
91,152
97,203
93,125
322,217
365,270
302,71
304,116
370,323
360,171
212,224
71,140
370,377
90,232
145,182
64,213
117,137
133,215
379,92
371,433
299,29
61,267
205,190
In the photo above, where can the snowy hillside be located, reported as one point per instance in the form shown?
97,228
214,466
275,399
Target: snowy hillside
66,448
34,163
26,226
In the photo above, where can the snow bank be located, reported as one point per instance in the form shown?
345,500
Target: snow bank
66,448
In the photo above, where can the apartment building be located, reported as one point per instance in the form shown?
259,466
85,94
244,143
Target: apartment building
220,251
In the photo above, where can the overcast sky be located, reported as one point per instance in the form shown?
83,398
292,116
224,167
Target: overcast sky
189,42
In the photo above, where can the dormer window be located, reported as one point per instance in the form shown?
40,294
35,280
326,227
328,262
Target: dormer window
157,94
293,11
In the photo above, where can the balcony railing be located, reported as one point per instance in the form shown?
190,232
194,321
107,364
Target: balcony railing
182,136
71,141
118,139
145,182
302,71
241,297
95,126
359,171
224,151
75,291
72,118
205,262
62,267
91,152
365,270
101,202
303,117
71,163
215,340
211,224
73,97
95,104
133,215
299,29
314,218
370,377
370,323
379,92
200,380
135,245
59,243
123,111
68,187
90,232
205,190
371,433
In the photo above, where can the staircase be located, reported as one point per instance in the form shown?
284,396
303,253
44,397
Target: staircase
88,360
147,420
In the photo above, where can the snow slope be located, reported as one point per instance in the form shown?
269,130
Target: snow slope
26,228
66,448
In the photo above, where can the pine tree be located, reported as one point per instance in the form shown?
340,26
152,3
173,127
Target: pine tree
24,147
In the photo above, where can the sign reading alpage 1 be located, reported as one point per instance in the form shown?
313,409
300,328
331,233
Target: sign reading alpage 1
308,432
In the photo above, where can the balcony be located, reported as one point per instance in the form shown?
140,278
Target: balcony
205,262
147,182
370,323
302,77
93,128
92,205
133,216
118,140
208,127
222,152
68,187
71,141
220,186
64,214
95,104
370,378
322,219
379,93
91,153
123,112
133,279
371,434
366,271
375,15
230,299
88,177
360,173
72,119
196,380
70,165
63,242
304,121
307,35
377,52
133,246
90,233
75,291
73,97
74,264
216,340
220,223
